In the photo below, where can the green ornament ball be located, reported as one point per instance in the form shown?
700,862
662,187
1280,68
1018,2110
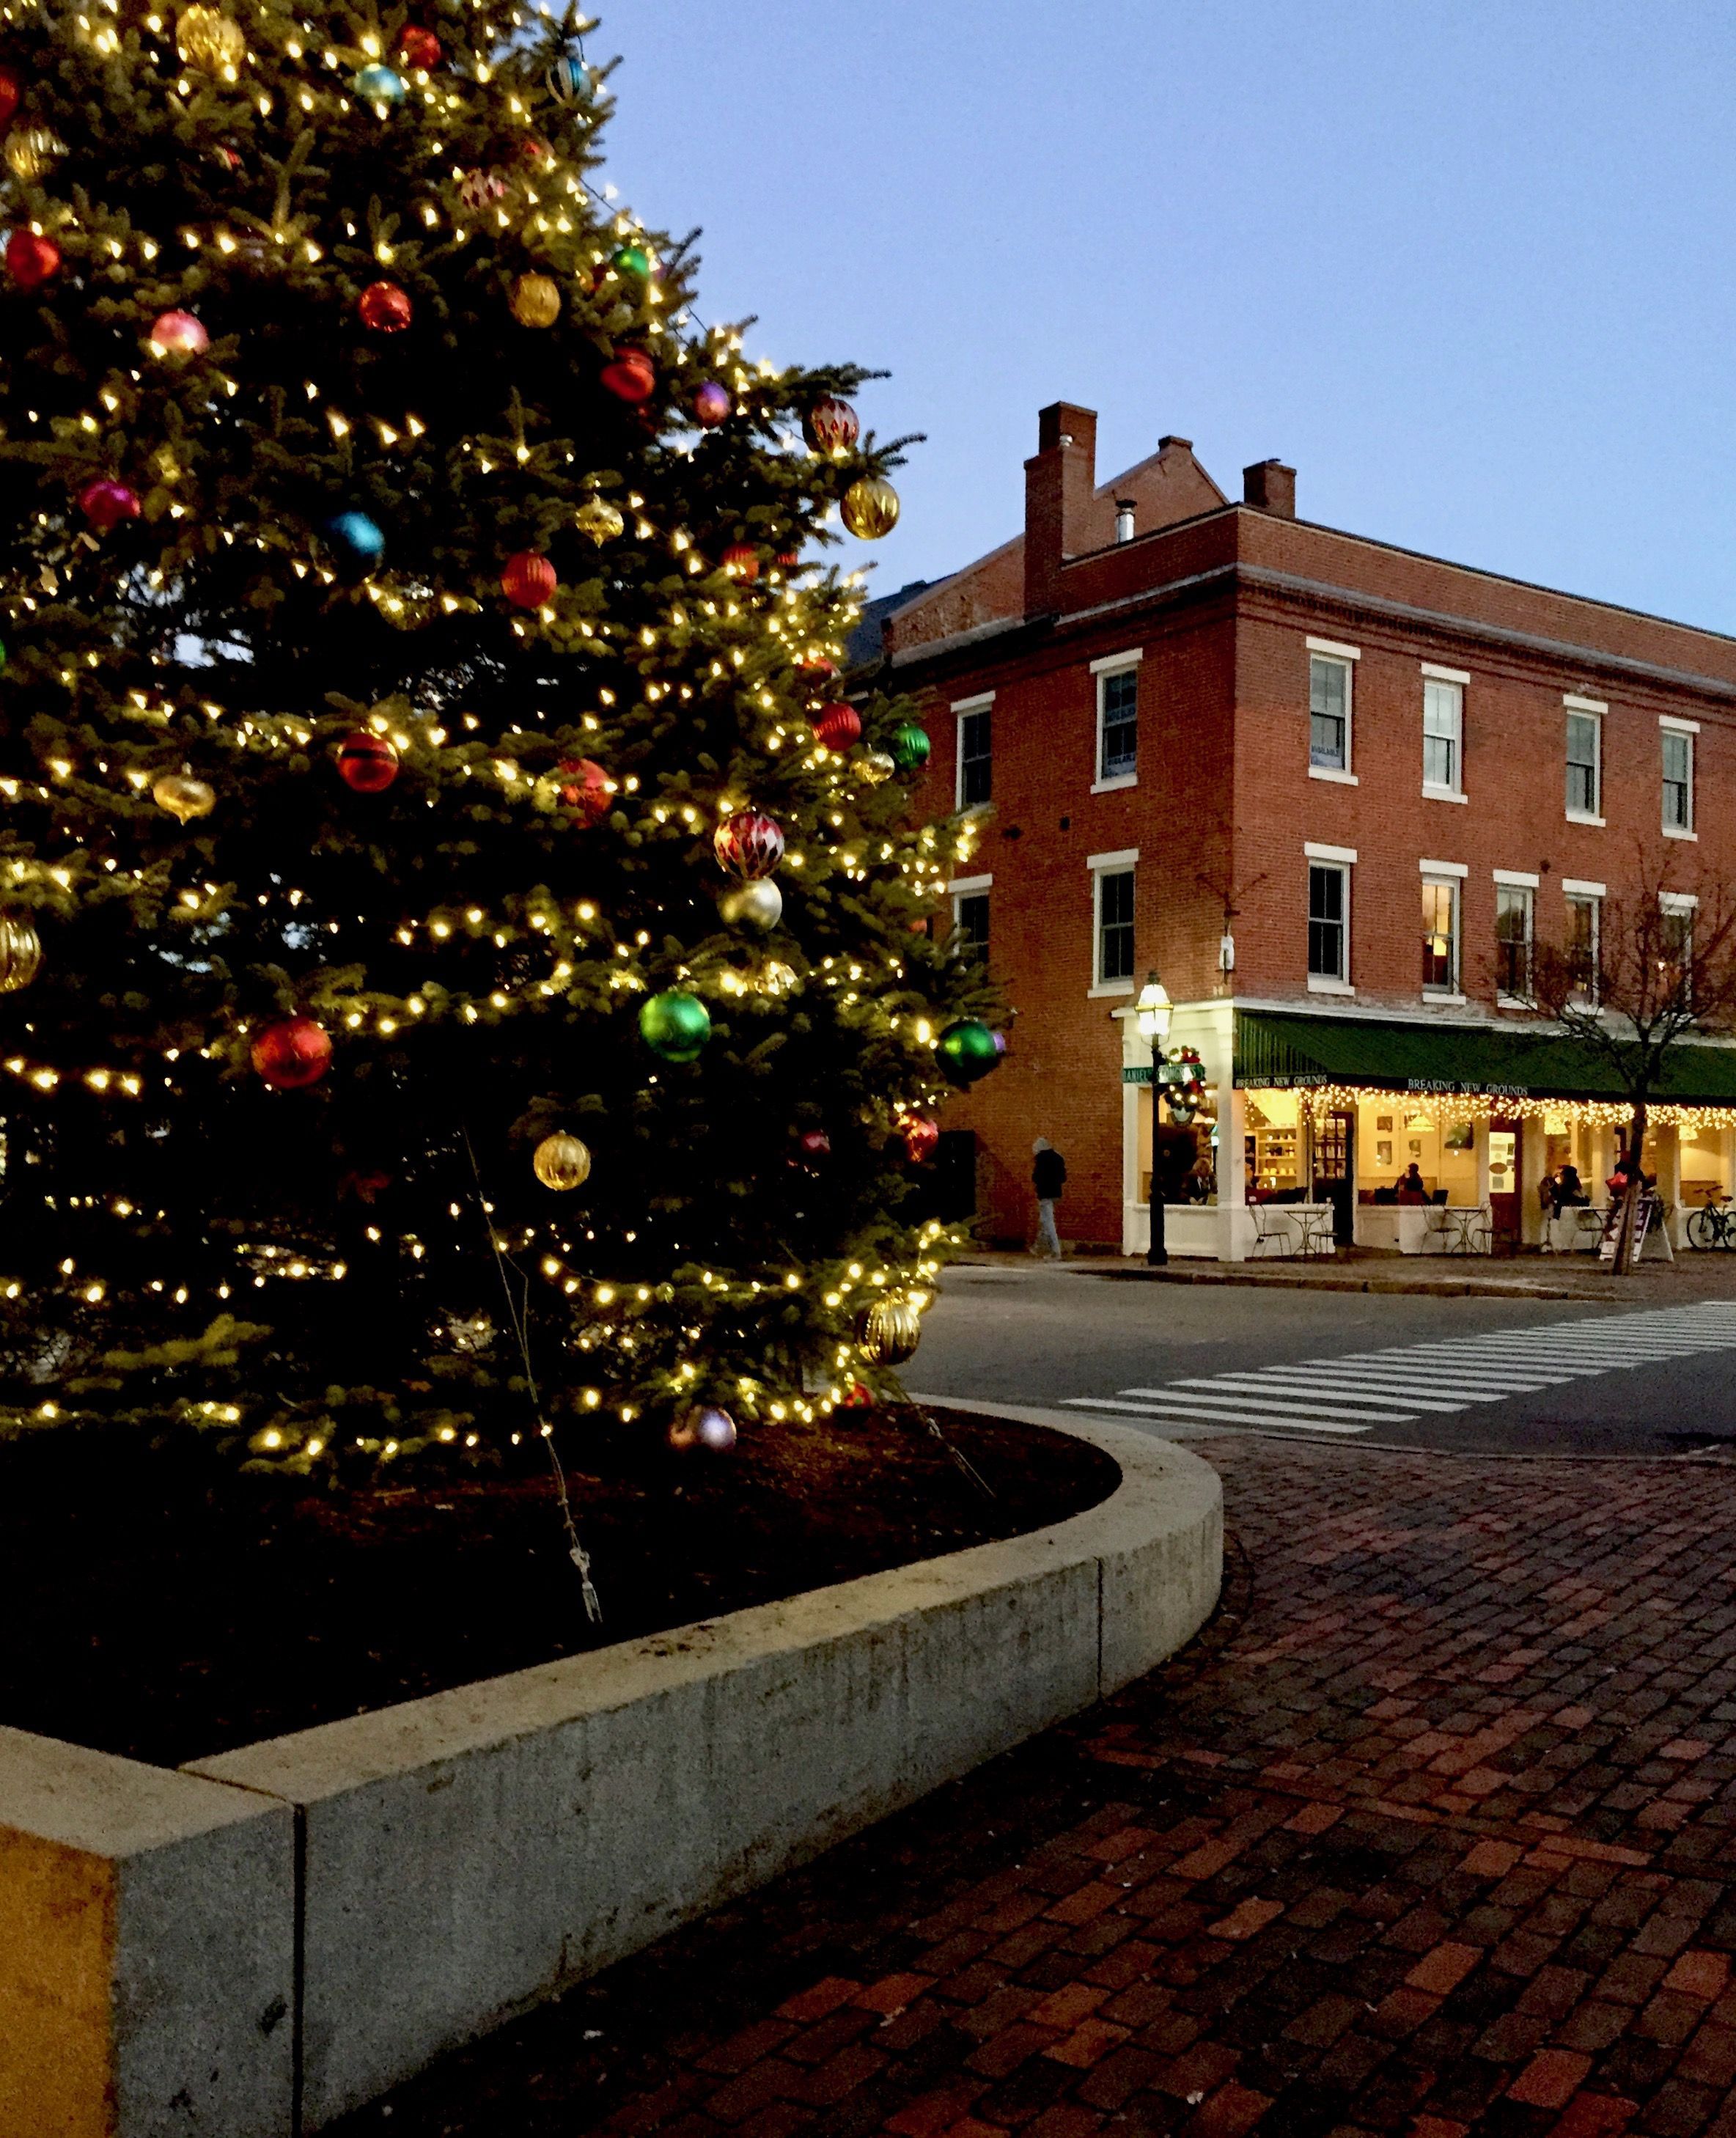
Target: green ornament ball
633,260
966,1051
676,1025
910,747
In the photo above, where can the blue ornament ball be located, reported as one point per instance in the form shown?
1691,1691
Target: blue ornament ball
380,85
567,80
357,539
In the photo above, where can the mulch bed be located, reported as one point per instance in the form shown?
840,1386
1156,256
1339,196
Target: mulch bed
163,1606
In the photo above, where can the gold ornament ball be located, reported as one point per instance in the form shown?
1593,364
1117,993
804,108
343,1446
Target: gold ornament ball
891,1331
877,766
536,300
562,1161
600,520
31,152
183,796
21,951
870,508
205,38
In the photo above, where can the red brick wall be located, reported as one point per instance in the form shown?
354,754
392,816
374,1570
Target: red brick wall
1062,1076
1224,794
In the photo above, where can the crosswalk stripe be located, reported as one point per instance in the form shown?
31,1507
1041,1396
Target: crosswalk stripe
1193,1413
1397,1385
1197,1392
1363,1393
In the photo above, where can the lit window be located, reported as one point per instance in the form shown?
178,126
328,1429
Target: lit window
1584,913
1443,728
1328,902
1439,935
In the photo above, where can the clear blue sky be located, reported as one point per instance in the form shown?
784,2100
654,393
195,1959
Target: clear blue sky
1469,268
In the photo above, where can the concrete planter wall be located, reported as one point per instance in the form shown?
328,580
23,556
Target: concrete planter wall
461,1858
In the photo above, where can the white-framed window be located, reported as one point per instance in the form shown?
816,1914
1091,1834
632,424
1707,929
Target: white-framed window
1443,733
970,915
1585,759
1440,882
1118,721
1330,705
1677,933
1111,921
1583,935
1677,741
976,759
1328,923
1515,903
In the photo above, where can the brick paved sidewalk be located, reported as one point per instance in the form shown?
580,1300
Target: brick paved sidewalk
1429,1833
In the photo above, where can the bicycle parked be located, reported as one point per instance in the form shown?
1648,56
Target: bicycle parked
1713,1225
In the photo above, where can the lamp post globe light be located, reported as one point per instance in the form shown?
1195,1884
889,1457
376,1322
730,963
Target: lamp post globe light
1152,1012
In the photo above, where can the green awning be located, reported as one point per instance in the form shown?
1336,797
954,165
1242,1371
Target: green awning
1273,1050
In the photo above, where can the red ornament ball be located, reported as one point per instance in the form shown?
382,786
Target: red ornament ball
384,307
528,579
815,1145
748,845
420,47
711,405
11,93
178,333
921,1135
585,789
741,561
533,149
818,667
859,1397
292,1053
106,504
836,727
833,426
631,377
32,261
366,762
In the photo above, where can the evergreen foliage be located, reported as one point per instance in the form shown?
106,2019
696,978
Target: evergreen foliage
188,595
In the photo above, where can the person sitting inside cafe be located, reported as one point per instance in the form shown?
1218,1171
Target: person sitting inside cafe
1569,1191
1412,1186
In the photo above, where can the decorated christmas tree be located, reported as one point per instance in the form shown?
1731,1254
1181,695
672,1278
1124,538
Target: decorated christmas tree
464,963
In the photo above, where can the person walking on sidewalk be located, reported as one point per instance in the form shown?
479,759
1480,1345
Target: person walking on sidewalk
1048,1177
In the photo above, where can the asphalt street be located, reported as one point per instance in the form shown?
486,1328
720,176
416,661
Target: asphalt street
1467,1375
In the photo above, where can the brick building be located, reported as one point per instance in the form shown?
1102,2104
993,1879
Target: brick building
1332,791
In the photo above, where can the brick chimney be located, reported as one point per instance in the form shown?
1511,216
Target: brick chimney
1271,486
1058,484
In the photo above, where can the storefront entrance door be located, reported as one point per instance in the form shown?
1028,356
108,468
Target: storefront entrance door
1505,1185
1334,1169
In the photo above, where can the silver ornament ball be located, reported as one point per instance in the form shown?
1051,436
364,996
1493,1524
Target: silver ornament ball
756,905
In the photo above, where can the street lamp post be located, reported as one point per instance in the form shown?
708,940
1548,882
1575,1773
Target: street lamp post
1151,1011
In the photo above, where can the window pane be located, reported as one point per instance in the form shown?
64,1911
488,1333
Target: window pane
973,758
973,924
1582,741
1443,711
1440,950
1329,705
1582,944
1326,923
1678,780
1513,941
1121,723
1115,926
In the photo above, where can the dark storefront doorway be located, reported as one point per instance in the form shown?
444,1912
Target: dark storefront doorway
1335,1173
